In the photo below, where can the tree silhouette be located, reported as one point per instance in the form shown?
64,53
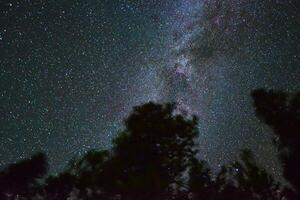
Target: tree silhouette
255,182
58,187
91,172
200,183
21,179
240,180
153,157
281,112
154,150
148,157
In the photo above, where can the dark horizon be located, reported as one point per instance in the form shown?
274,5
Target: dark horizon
155,157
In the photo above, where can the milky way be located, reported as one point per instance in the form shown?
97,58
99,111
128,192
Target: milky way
71,71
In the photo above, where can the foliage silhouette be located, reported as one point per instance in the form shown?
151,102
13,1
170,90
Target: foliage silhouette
200,183
92,181
281,111
152,158
154,150
240,180
59,187
148,157
21,179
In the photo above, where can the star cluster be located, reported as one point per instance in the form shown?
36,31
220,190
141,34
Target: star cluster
72,70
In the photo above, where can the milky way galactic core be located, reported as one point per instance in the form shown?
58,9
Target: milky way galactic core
71,71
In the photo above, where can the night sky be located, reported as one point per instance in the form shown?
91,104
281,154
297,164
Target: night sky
72,70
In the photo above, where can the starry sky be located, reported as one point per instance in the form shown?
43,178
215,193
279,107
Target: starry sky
70,71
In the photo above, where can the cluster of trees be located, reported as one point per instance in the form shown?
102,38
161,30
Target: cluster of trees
154,158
